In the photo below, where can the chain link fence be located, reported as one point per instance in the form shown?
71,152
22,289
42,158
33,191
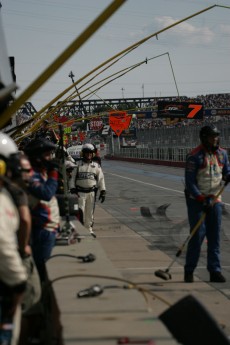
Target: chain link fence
165,144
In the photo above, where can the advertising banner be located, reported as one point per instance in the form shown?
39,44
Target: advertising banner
217,112
185,110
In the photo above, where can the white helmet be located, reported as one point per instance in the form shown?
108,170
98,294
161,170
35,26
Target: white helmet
7,146
8,154
88,148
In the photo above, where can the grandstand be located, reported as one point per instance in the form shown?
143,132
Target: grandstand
157,140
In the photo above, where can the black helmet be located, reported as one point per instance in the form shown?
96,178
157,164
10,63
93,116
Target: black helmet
208,131
23,143
38,146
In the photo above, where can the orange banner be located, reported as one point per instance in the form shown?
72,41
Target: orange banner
119,121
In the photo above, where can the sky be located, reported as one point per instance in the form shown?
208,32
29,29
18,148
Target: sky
194,55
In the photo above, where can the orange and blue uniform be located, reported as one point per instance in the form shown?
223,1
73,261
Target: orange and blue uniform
204,173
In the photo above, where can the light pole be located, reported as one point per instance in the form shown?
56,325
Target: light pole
71,75
122,90
143,90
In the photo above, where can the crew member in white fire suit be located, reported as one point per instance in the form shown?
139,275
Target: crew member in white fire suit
87,176
13,276
206,166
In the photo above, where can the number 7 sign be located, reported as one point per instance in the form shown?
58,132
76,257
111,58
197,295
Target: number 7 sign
195,112
181,110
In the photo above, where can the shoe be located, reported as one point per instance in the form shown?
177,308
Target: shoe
217,277
93,234
188,277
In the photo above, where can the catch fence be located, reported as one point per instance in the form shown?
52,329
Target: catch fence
165,144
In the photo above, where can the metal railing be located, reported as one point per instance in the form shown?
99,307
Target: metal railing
165,144
177,154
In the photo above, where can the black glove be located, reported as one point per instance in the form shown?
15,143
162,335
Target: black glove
73,191
52,165
207,203
102,196
227,178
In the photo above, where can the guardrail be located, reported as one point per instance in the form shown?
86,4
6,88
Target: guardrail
169,156
160,156
165,146
164,153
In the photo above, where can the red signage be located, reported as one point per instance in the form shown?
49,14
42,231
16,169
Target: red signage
119,121
95,124
60,119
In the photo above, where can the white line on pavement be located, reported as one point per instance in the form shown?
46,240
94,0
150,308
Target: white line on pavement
155,268
153,185
146,183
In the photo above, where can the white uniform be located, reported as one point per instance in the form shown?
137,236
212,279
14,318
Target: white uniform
12,271
86,178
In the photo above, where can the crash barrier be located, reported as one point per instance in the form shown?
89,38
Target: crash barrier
184,136
166,146
157,153
159,156
170,156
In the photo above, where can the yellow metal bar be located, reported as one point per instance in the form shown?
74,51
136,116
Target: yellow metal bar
68,52
70,97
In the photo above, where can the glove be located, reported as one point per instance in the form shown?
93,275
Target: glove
52,165
102,196
200,198
205,200
207,204
73,191
227,178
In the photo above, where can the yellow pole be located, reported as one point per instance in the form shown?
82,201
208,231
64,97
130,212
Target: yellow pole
70,97
68,52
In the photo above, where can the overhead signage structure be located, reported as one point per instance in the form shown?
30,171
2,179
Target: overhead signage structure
182,110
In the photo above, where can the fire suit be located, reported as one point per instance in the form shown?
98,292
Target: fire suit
86,178
203,175
13,275
45,216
